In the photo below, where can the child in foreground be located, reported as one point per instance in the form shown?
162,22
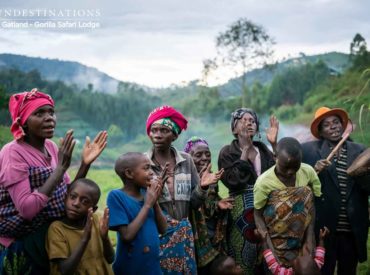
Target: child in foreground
304,264
136,216
79,243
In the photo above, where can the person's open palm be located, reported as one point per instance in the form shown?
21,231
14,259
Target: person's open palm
104,224
92,150
225,204
208,177
273,130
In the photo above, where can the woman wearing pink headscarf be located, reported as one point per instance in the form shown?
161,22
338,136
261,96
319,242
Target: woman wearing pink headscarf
33,181
182,191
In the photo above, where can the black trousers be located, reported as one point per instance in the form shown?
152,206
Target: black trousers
340,248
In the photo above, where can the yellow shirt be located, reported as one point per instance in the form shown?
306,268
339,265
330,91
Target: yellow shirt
268,182
62,239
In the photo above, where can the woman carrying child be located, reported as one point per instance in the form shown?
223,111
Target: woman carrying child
181,192
33,181
284,204
243,161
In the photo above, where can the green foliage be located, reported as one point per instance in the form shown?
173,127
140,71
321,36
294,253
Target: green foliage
359,54
287,112
291,86
5,135
79,109
207,104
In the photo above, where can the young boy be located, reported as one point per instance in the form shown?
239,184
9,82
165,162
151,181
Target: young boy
284,205
304,264
79,244
136,216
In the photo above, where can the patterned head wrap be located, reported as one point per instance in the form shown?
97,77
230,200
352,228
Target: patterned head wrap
174,119
193,141
239,113
22,105
168,123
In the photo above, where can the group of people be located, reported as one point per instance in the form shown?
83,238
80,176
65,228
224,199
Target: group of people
168,216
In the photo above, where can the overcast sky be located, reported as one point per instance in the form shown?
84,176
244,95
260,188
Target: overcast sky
157,43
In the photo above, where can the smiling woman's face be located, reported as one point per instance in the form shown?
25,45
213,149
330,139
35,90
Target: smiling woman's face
201,156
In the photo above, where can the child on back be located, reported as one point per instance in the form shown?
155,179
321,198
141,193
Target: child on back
302,265
225,265
136,216
79,243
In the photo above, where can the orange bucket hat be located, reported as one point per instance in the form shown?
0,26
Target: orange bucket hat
324,112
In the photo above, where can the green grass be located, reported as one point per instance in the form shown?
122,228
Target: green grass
364,268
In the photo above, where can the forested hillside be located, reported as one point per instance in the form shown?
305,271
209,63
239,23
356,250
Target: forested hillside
293,94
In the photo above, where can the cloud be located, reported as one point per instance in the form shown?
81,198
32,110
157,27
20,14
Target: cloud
164,41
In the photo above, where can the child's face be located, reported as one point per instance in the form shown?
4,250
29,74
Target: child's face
287,166
201,156
41,123
143,174
78,201
231,267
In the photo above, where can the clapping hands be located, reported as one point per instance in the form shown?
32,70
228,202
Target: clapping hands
104,224
207,177
65,150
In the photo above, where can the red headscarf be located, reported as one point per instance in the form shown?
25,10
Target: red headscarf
166,112
22,105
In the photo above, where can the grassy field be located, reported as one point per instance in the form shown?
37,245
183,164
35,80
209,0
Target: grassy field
108,180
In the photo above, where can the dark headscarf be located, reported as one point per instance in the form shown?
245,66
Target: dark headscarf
239,113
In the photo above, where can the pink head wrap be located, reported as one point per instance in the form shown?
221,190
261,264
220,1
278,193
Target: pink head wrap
22,105
166,112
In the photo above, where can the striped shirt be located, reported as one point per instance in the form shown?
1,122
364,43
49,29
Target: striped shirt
341,167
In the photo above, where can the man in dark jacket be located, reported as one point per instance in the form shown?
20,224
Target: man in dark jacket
343,207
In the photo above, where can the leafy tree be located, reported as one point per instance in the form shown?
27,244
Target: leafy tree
359,54
242,46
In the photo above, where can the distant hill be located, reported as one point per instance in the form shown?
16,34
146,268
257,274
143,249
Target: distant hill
66,71
337,62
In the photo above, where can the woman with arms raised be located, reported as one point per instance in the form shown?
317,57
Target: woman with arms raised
33,181
243,161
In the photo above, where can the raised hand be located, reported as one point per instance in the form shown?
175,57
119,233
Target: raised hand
208,177
104,224
226,203
92,150
273,130
321,165
87,230
65,150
